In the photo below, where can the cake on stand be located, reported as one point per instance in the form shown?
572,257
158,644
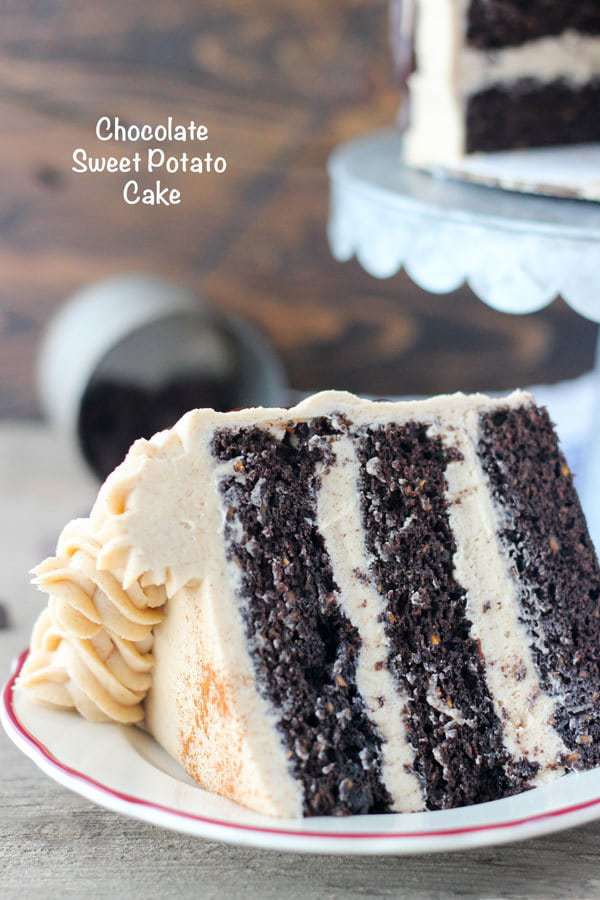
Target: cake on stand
516,251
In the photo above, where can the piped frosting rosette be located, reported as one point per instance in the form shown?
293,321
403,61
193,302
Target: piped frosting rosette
91,647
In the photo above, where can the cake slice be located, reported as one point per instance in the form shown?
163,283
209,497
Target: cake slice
346,607
497,74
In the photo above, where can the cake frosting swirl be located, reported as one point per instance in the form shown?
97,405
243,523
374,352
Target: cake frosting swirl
92,646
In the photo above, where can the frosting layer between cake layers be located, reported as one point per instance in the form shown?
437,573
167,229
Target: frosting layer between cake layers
354,619
491,79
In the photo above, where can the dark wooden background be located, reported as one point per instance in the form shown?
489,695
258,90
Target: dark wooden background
279,83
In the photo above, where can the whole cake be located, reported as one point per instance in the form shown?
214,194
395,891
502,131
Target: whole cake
346,607
497,74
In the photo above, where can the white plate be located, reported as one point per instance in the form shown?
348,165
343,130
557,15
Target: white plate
123,769
570,171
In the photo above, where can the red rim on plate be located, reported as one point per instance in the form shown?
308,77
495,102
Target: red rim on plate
42,751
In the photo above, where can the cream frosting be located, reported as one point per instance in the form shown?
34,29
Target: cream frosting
482,568
436,131
570,56
91,647
204,707
339,521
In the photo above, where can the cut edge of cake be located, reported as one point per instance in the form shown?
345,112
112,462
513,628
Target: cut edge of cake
159,610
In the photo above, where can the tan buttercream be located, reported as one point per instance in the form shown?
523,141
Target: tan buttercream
339,521
91,647
482,567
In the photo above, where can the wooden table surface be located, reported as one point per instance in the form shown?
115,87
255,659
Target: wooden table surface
54,844
279,83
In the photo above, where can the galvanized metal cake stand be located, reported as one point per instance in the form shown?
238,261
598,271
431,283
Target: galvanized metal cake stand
517,251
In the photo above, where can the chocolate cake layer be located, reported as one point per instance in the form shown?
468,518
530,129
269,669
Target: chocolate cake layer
504,23
529,113
545,535
303,647
460,755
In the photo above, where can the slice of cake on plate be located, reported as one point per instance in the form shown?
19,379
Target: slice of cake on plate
346,607
497,74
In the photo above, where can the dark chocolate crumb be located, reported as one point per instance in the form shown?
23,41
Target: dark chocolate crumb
532,114
492,24
426,622
303,647
546,537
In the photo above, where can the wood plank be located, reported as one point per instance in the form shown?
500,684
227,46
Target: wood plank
279,84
